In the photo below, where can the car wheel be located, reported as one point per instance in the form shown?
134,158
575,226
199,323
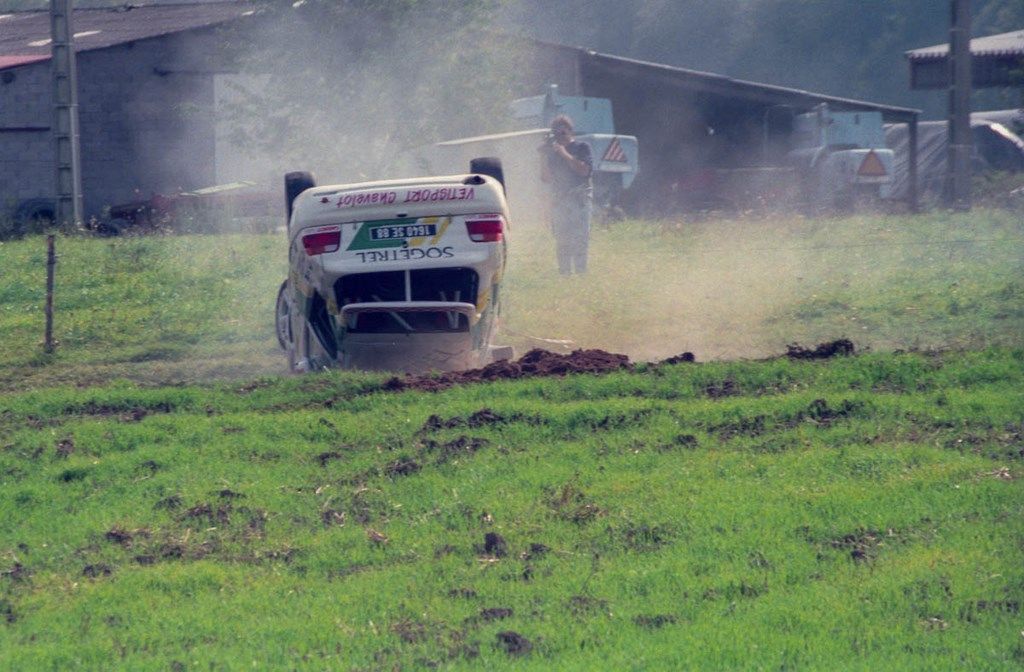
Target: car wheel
489,166
283,318
294,184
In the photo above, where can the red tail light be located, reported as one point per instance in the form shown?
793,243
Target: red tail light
321,242
485,230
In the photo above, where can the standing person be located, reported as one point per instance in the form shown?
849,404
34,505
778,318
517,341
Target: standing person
566,166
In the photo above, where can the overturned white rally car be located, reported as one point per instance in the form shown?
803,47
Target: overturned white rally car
400,275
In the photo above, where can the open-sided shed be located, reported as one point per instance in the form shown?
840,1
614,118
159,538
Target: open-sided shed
146,103
686,119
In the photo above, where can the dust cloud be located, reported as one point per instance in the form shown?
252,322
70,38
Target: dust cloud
655,289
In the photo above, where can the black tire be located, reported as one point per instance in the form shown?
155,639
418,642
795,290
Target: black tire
34,215
489,166
282,318
294,184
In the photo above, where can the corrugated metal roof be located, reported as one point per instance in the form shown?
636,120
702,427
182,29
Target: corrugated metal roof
18,59
1004,44
26,35
723,85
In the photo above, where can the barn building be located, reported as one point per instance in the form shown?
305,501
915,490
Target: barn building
145,103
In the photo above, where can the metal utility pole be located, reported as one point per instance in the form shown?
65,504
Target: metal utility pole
959,185
65,114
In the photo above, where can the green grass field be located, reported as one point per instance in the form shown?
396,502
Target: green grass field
169,500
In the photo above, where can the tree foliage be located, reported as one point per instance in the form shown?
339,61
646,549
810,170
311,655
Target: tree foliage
340,86
848,48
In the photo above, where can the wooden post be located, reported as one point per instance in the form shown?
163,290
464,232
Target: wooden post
51,262
912,195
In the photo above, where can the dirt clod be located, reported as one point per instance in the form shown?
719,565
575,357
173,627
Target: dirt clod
135,415
7,612
686,357
534,363
324,458
585,606
65,447
376,538
725,388
151,466
119,535
403,466
513,643
97,570
842,347
332,518
410,631
483,417
171,502
495,613
495,545
863,545
654,621
462,446
17,572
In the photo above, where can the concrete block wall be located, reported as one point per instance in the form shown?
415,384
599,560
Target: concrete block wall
146,124
26,146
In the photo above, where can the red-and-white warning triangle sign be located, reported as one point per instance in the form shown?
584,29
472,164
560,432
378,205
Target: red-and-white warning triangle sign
872,166
615,152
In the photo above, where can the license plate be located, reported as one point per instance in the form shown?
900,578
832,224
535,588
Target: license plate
393,231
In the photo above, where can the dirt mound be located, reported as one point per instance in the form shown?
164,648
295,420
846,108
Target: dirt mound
532,364
842,347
